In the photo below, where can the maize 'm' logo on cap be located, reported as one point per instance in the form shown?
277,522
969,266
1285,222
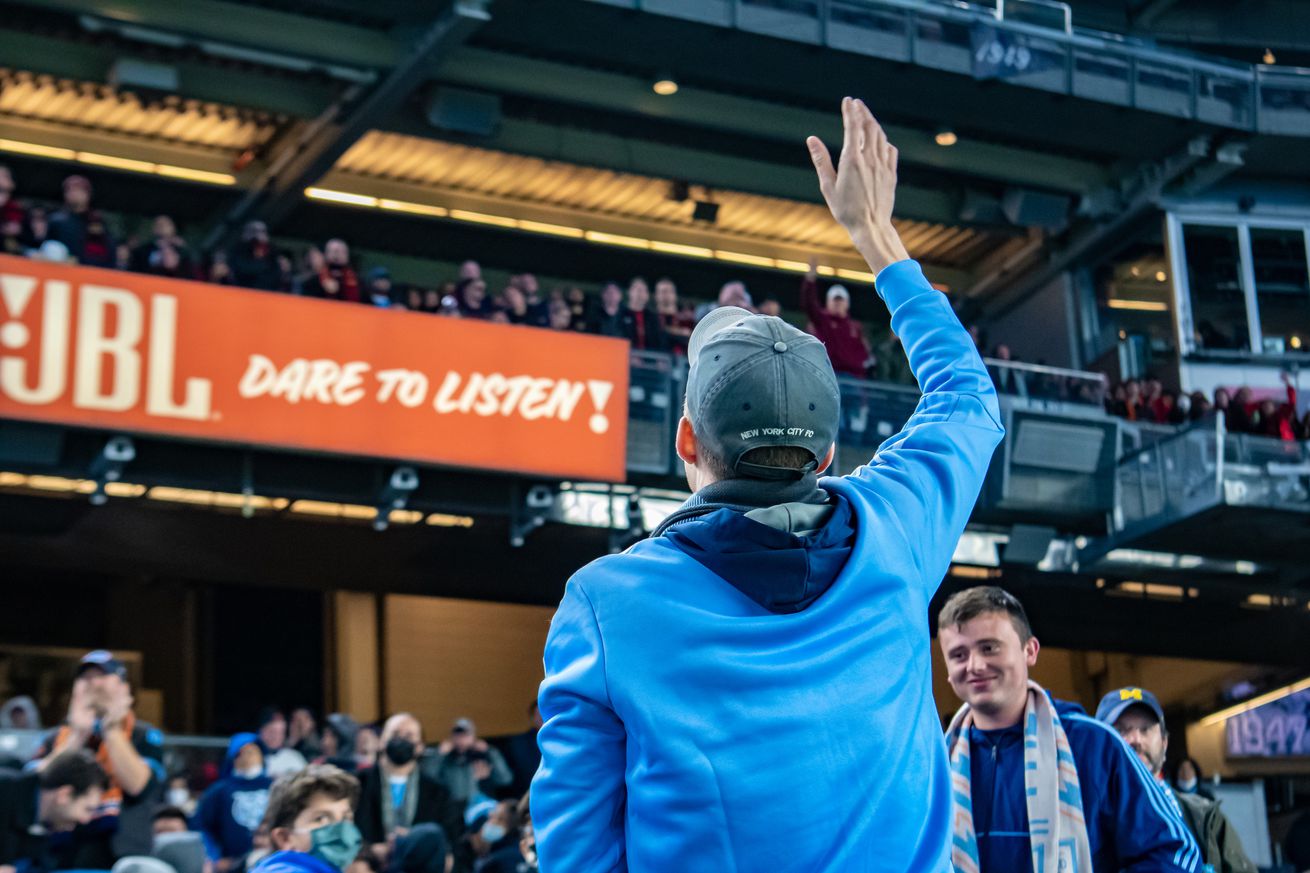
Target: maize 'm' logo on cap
1130,694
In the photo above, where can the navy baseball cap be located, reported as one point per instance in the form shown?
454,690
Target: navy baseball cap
1116,702
757,381
103,661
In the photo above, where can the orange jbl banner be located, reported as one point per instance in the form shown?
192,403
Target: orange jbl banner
135,353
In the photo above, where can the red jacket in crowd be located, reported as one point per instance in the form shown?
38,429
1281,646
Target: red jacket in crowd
841,334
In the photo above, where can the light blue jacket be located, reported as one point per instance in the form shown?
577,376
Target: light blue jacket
688,728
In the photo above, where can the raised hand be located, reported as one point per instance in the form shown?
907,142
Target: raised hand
861,190
81,712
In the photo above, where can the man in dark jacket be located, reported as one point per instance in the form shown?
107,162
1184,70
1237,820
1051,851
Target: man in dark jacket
34,805
83,229
231,809
252,263
396,796
1136,714
641,323
1037,784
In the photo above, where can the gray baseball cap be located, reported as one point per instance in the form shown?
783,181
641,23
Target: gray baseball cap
757,381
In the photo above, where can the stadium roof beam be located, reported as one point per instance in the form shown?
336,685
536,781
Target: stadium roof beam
495,71
1195,168
246,25
307,152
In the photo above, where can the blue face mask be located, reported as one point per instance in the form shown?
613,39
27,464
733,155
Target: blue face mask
336,844
493,833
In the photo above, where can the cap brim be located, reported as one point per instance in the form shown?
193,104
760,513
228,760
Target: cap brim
715,321
1123,706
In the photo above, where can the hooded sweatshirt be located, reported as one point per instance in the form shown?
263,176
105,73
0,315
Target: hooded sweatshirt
751,687
1133,824
232,808
294,862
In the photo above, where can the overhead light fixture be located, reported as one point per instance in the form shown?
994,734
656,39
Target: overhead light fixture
665,86
1269,58
946,137
1139,305
131,165
1161,275
1294,341
595,236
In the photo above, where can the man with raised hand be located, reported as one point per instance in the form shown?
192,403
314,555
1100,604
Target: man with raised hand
750,688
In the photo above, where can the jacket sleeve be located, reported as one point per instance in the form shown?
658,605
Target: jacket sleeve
1149,834
1233,857
500,774
578,795
810,300
206,820
930,473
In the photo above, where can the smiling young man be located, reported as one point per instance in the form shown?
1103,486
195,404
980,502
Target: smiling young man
750,688
1037,784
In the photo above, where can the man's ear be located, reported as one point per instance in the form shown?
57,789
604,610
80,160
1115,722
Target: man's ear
688,448
280,838
827,459
1030,650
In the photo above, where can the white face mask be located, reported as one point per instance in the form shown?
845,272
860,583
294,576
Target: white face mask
178,797
492,833
249,772
1187,786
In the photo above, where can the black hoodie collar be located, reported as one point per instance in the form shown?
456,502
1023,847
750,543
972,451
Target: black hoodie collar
743,495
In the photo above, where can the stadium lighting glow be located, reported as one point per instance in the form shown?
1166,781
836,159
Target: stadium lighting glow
744,258
340,197
665,87
131,165
551,229
1294,341
1139,305
413,208
350,198
946,137
1247,706
115,163
857,275
483,218
617,239
679,249
1161,275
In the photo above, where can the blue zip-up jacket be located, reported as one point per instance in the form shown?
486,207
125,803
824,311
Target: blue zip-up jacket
231,809
294,862
1132,822
731,696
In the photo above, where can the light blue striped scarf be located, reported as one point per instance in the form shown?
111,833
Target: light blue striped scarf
1056,828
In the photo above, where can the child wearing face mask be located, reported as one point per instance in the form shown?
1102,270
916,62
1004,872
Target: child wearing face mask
232,808
311,822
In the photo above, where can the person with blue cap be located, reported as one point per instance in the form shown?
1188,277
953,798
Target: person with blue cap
751,687
130,751
1138,717
231,809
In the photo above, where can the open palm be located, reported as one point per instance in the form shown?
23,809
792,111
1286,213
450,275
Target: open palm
861,190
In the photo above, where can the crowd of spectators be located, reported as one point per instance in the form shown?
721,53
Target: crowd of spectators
1147,400
117,802
658,319
652,318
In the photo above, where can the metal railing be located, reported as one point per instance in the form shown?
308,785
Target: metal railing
1040,382
1203,466
974,40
